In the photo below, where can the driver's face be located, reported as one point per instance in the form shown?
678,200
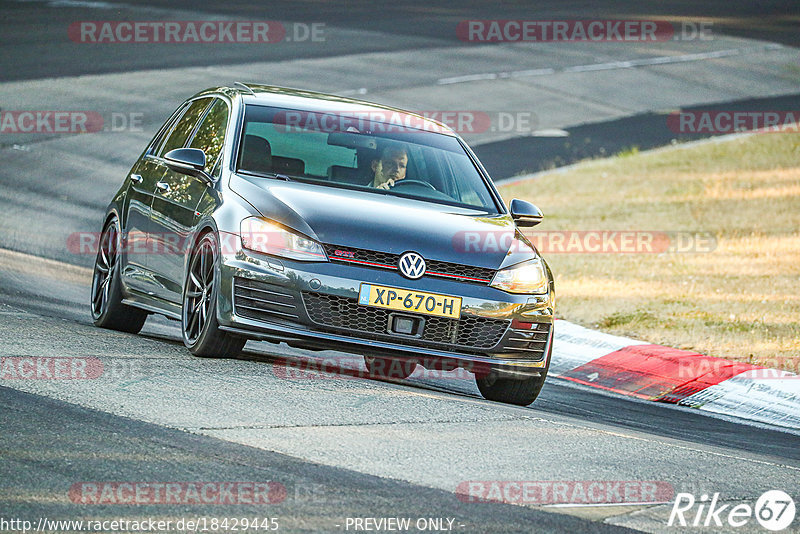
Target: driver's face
391,166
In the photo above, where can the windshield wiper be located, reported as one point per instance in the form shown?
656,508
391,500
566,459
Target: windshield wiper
276,175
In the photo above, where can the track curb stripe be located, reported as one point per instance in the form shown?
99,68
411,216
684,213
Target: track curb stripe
664,374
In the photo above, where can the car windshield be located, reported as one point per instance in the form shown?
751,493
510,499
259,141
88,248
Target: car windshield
356,151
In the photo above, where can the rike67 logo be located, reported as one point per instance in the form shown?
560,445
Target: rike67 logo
774,510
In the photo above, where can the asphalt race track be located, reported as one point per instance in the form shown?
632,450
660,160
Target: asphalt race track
339,445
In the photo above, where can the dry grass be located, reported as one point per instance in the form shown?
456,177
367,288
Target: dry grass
741,301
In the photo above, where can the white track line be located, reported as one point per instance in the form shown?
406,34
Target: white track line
633,63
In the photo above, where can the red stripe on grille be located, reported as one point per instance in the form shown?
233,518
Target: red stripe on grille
394,267
457,276
366,263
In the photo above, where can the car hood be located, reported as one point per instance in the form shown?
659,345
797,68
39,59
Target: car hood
386,223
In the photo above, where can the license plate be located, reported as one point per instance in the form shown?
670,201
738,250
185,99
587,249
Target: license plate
393,298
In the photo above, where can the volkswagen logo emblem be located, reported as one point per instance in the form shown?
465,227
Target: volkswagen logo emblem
412,265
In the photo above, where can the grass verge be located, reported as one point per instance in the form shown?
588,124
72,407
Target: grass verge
739,301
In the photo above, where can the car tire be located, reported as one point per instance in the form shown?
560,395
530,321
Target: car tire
106,305
396,368
199,326
521,392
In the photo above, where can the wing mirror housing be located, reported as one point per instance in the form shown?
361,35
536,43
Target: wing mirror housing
190,161
524,213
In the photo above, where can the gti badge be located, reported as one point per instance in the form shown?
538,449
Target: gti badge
412,265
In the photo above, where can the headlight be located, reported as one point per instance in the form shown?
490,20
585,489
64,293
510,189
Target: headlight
528,277
269,238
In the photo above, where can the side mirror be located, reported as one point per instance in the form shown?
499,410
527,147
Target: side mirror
524,213
191,161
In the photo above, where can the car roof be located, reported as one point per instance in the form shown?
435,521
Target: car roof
301,99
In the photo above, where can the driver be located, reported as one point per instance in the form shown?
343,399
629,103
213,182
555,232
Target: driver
390,167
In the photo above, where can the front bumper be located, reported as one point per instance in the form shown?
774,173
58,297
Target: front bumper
314,305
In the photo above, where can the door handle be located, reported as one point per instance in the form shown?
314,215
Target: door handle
163,186
136,178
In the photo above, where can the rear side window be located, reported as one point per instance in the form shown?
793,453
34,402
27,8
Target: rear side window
185,126
165,129
309,147
210,135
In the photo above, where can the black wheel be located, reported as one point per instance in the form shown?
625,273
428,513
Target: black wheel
108,311
399,369
201,333
512,390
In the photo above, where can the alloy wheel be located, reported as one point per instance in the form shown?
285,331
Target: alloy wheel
199,292
104,269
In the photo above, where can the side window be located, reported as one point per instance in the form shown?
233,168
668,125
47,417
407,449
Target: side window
165,129
184,128
307,146
210,135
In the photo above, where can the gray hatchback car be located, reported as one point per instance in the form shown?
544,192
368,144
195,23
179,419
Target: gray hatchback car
276,214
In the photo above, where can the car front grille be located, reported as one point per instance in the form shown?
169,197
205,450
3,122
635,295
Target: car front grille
385,260
345,314
265,302
530,343
271,303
